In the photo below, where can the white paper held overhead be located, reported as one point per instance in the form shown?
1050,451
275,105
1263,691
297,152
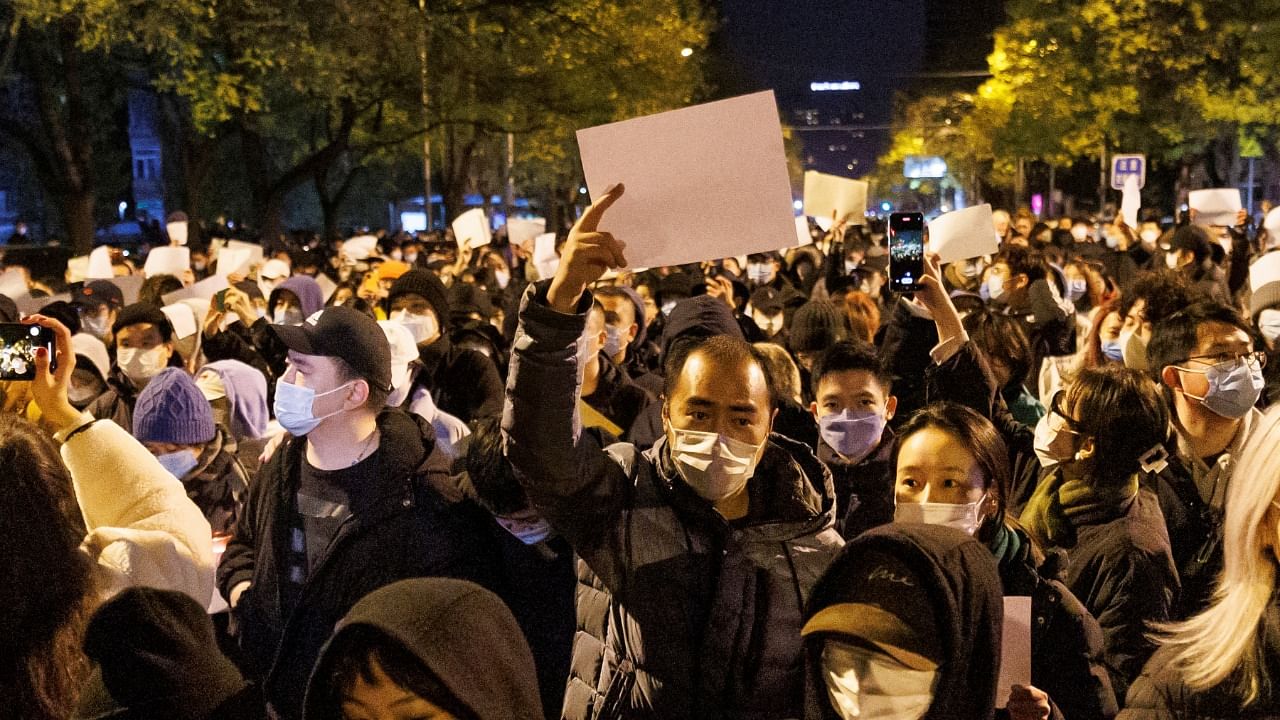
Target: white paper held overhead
100,264
204,290
471,229
177,231
521,232
826,195
704,182
802,230
1131,201
167,260
1215,206
963,234
545,259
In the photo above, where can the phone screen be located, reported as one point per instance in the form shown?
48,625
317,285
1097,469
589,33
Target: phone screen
906,251
18,345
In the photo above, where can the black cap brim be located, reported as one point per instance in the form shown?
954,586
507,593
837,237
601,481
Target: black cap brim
296,338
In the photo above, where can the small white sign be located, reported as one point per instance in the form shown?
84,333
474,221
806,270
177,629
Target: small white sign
471,229
963,234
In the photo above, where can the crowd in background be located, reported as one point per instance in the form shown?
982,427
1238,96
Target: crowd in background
400,477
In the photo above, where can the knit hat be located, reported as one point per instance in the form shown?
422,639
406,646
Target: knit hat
171,409
157,656
426,285
816,326
139,313
466,299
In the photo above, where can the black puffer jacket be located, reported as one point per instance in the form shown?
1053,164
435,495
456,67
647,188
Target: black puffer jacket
680,613
463,383
963,585
864,490
402,527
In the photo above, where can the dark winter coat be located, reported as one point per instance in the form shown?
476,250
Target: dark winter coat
1161,692
218,483
463,383
116,403
864,490
402,527
680,613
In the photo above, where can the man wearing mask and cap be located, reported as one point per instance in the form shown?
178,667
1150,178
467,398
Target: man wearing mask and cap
1212,377
696,553
144,345
1190,254
343,507
464,382
99,302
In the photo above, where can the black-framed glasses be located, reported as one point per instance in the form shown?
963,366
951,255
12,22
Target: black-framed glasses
1055,408
1256,359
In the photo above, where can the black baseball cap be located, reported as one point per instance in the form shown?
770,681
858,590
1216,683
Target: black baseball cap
98,293
346,334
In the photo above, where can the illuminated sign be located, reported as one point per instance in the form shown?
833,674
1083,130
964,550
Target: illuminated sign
843,86
924,166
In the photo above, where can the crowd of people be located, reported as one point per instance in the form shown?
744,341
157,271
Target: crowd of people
424,480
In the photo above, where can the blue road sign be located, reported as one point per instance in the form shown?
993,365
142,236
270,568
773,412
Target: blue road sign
1123,166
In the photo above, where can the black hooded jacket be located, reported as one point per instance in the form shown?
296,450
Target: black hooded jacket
963,584
461,633
407,524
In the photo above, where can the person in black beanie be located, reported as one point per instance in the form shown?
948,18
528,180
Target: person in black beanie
815,327
464,383
156,656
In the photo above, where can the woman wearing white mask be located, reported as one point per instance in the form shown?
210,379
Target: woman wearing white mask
953,470
144,345
905,624
1101,442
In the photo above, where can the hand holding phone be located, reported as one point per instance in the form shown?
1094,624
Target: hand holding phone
53,366
220,300
906,252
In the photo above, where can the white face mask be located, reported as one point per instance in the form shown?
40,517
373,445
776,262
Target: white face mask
97,325
141,365
1079,232
422,327
1133,349
1171,260
770,325
288,316
715,466
961,516
1149,237
503,277
995,287
1269,324
1054,441
863,684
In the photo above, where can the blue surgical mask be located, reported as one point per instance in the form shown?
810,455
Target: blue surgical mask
851,433
178,463
1234,387
612,341
294,406
1113,350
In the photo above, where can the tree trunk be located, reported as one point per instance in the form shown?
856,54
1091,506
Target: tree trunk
76,207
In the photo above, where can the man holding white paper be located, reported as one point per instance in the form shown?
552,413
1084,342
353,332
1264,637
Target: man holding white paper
699,550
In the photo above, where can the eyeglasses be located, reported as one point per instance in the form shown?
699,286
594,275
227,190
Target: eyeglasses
1256,359
1055,408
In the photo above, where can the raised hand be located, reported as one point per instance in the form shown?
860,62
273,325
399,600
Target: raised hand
587,254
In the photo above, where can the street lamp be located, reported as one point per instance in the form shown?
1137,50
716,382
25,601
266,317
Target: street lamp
686,52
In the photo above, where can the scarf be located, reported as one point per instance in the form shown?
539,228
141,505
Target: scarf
1059,506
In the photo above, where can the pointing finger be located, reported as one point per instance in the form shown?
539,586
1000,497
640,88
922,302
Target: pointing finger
590,219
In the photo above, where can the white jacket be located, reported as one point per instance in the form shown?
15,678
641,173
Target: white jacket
143,529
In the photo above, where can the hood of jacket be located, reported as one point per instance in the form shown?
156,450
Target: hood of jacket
962,582
246,391
461,633
306,288
699,316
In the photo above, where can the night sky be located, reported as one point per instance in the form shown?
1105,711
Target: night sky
888,46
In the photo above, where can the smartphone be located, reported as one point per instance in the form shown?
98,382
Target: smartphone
18,345
220,300
906,251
